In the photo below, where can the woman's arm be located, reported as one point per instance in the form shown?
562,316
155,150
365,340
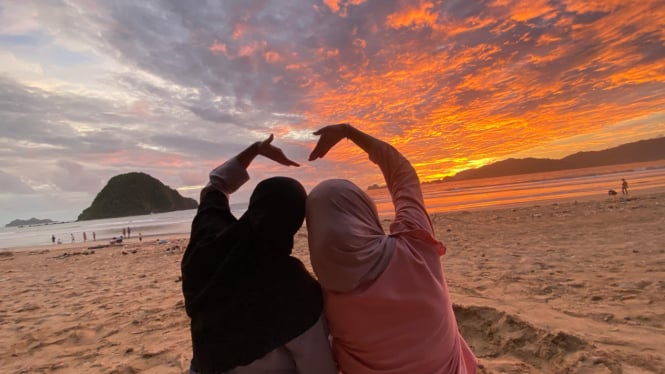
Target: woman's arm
214,215
400,176
229,176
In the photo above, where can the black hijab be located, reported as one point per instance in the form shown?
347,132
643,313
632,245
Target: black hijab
244,292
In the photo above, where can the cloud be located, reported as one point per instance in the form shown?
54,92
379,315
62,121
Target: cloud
89,90
12,184
72,176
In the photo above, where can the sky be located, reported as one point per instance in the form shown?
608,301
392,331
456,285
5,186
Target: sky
90,89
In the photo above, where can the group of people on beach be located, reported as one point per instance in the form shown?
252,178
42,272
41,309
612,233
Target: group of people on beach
71,235
379,303
126,232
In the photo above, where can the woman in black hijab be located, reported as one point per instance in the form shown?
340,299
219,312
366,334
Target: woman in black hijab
254,308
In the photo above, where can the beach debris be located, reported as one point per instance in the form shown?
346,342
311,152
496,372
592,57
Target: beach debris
173,249
6,254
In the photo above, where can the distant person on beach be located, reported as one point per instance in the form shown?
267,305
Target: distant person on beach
124,232
624,186
52,238
85,237
72,237
94,236
254,308
129,232
140,237
386,301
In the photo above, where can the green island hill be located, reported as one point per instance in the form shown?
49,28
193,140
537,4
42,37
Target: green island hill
134,194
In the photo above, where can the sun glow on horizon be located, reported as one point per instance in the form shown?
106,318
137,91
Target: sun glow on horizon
174,90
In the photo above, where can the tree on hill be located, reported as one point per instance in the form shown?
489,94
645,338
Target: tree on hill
135,194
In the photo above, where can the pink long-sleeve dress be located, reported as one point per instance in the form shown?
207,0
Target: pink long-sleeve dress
402,322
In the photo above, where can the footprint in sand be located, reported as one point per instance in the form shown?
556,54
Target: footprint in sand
505,343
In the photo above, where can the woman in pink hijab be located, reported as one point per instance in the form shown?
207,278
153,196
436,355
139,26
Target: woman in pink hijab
385,297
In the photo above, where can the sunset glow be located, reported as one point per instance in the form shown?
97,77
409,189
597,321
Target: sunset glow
171,90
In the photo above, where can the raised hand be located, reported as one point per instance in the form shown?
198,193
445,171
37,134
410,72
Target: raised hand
268,150
329,136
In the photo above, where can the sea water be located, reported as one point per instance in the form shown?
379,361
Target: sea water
439,197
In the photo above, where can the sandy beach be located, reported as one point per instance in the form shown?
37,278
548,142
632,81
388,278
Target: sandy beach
568,287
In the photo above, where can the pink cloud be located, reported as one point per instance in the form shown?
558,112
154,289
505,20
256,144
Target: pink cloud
218,48
272,56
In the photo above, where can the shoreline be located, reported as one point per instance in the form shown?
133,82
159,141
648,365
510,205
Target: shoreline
433,212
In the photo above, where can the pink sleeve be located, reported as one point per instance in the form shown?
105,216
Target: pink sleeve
404,186
227,177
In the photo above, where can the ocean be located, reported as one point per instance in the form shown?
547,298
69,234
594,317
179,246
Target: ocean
439,197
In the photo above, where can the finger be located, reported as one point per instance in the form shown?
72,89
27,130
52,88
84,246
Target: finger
267,142
288,162
318,132
314,155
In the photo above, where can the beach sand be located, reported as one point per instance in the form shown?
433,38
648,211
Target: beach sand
569,287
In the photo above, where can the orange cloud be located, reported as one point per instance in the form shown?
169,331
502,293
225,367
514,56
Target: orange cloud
452,108
524,10
340,6
413,15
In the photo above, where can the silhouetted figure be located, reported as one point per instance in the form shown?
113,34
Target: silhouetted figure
254,307
129,232
624,187
72,237
94,236
85,237
52,238
140,237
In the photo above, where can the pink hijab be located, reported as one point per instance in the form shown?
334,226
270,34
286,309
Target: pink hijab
347,244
